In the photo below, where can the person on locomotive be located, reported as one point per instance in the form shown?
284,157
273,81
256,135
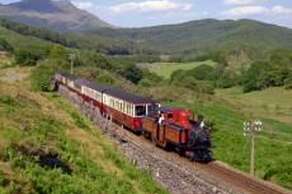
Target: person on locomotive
161,119
202,124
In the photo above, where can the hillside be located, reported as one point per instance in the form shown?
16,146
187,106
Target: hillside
18,40
202,36
60,16
46,146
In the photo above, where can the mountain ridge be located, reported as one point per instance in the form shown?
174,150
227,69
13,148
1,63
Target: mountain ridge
61,16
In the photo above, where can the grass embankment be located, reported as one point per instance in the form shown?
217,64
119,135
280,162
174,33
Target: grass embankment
273,146
272,103
40,130
166,69
5,60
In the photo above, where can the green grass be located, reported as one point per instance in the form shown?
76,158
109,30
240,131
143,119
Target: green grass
20,41
272,103
166,69
5,61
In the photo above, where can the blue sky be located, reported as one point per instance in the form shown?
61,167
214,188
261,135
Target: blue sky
137,13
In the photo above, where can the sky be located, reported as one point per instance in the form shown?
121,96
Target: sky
138,13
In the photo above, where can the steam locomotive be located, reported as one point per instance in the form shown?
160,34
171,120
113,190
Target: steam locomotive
178,129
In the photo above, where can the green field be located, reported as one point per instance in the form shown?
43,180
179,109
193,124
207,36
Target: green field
166,69
273,145
272,103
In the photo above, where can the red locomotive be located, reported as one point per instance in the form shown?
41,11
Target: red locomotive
166,127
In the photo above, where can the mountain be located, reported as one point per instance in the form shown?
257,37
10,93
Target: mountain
60,15
238,40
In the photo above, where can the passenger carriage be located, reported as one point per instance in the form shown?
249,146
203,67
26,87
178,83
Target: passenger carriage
127,109
122,107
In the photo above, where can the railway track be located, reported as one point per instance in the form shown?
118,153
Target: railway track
244,182
213,175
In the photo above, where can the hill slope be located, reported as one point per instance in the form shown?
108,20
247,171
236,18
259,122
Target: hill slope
18,40
59,151
206,35
58,15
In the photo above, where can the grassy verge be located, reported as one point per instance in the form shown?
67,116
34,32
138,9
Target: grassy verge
47,147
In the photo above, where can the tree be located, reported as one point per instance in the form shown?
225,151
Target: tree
202,72
132,73
260,76
25,58
5,46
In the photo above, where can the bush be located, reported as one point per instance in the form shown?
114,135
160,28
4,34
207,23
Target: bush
2,179
132,73
150,79
5,46
202,72
30,56
190,82
257,77
41,77
288,83
225,81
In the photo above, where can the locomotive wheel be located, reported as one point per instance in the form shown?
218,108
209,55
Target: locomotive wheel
202,155
146,135
164,145
180,151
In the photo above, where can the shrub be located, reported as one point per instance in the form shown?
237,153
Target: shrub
5,46
41,77
132,73
256,77
202,72
2,179
150,79
225,81
30,56
288,83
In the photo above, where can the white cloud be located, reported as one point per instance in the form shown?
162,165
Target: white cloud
246,11
243,2
85,5
280,10
253,10
151,6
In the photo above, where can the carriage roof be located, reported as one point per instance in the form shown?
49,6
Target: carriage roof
112,91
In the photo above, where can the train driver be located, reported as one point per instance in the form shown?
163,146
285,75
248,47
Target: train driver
202,124
161,119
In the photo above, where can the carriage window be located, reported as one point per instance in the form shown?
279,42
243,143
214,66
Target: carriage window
112,102
140,110
152,109
129,109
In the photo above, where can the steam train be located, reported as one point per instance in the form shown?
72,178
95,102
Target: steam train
178,129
